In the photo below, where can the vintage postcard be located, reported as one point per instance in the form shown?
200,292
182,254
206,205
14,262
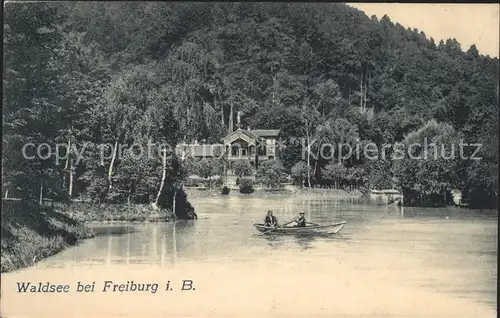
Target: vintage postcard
178,159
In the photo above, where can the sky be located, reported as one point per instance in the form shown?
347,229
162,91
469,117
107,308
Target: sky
468,23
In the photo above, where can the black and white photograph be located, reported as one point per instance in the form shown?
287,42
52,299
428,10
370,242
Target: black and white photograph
249,159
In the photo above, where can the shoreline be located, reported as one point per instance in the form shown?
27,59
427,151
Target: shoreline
25,241
86,212
261,192
31,233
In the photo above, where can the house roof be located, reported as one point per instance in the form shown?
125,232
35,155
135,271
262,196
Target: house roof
255,134
248,133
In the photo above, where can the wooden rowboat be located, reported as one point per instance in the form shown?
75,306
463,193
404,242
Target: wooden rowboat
309,229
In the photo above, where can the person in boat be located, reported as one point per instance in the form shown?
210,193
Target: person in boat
270,219
301,220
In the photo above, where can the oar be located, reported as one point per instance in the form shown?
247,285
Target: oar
270,229
312,223
274,228
282,225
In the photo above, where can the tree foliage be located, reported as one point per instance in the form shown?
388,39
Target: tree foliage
271,174
93,73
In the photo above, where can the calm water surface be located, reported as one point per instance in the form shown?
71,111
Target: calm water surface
448,251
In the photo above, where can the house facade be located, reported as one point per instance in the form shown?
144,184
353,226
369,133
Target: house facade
242,144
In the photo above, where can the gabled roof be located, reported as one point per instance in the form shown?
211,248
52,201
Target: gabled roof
249,133
255,134
245,132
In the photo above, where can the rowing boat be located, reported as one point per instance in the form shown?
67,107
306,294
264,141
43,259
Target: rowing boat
309,229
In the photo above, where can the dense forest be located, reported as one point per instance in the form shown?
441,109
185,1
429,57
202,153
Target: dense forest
85,74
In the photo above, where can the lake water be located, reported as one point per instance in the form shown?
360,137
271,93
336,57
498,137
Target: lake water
386,262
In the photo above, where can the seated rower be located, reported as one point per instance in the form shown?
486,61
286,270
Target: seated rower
270,220
301,220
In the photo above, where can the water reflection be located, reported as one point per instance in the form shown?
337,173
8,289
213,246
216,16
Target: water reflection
153,243
113,229
305,241
456,247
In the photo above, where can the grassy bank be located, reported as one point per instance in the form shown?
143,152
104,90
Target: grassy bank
292,190
87,212
30,232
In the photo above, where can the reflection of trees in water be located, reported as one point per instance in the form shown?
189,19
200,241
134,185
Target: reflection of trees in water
128,249
176,238
277,241
153,245
160,243
110,245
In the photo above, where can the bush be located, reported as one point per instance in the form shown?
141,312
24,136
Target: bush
225,191
216,182
299,172
246,186
271,173
242,168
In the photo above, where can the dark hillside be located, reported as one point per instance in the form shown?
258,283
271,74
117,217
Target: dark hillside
128,72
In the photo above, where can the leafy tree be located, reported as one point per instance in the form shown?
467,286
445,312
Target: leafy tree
271,173
242,168
211,167
299,172
430,167
126,73
334,173
246,186
380,174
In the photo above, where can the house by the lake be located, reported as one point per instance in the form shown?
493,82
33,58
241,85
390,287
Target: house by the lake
255,145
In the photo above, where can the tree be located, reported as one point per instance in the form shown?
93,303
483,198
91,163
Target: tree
334,173
210,168
299,172
310,118
246,186
271,173
345,134
32,96
430,167
123,73
242,168
379,174
192,166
